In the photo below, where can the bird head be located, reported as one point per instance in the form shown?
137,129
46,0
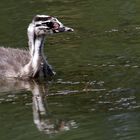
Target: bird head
45,24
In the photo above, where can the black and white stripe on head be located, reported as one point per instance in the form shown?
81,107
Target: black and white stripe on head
42,20
38,18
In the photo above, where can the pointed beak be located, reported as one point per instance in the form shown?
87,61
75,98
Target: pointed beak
67,29
63,29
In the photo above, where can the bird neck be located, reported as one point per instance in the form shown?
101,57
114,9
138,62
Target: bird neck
35,62
38,46
34,65
31,37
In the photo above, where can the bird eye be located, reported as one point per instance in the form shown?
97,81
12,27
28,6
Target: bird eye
50,24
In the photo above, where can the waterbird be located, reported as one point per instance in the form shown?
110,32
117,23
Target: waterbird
23,64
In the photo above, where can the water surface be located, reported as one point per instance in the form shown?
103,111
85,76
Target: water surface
95,94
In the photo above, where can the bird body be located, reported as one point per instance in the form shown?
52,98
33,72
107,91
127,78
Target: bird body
12,60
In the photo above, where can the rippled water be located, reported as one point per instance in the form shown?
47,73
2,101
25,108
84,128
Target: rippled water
95,94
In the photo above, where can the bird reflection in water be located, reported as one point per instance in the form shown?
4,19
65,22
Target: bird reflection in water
43,120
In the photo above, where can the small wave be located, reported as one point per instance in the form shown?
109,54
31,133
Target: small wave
112,30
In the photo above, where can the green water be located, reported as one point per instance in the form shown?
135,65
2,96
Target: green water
95,93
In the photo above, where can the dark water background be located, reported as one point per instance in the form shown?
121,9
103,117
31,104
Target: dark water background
96,92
